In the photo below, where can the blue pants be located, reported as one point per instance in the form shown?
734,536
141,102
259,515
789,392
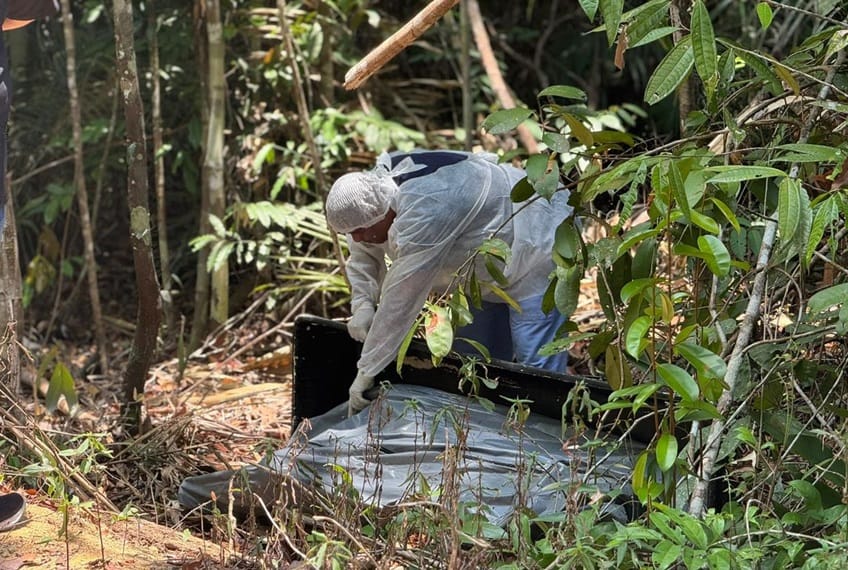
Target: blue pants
513,336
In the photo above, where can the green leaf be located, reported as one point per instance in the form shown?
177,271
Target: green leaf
496,247
557,142
522,191
703,359
636,334
826,213
728,213
704,222
635,236
590,7
680,381
616,369
765,14
645,20
666,451
61,384
564,91
438,332
505,120
579,130
826,299
635,287
404,346
567,292
654,35
678,189
703,42
543,174
495,271
762,71
788,208
567,241
503,295
742,173
671,72
611,11
715,254
806,152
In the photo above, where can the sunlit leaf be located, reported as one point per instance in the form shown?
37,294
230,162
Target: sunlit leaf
703,359
438,332
765,14
680,381
666,451
636,334
716,255
505,120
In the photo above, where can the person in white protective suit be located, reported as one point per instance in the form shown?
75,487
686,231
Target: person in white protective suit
427,211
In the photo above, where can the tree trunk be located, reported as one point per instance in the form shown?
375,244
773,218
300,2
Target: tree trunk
147,283
11,307
159,174
679,16
79,183
213,162
200,319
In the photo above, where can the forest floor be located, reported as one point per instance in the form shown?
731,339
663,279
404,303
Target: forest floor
218,413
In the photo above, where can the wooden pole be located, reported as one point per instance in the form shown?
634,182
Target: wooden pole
383,53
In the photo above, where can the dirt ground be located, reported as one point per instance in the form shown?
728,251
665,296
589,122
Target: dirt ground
102,542
214,416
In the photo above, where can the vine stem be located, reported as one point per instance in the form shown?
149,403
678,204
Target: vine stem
752,314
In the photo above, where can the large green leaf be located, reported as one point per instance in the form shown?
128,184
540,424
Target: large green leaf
543,174
761,70
611,10
788,208
703,359
590,7
715,254
635,335
564,91
765,14
671,72
807,152
567,292
567,241
438,332
828,298
505,120
679,380
826,213
703,42
741,173
666,451
643,24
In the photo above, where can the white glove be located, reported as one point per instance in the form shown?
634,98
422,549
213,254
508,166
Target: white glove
358,401
360,322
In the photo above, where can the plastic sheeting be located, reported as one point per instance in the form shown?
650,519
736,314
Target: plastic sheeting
412,435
